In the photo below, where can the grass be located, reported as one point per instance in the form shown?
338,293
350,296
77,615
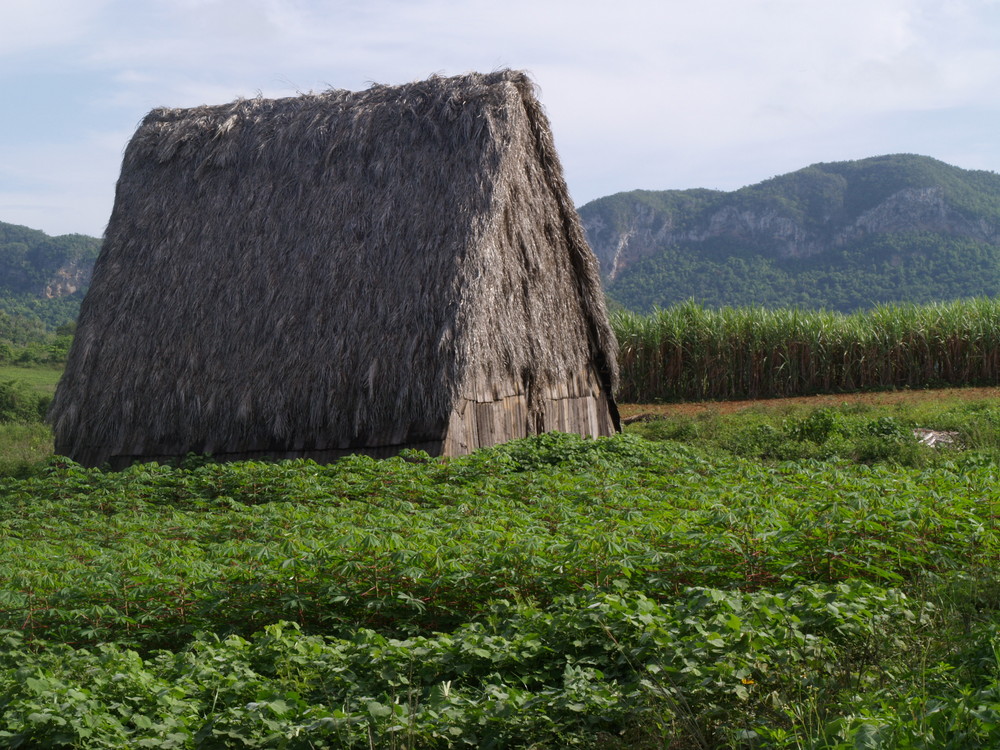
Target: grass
41,378
25,443
24,448
853,429
688,352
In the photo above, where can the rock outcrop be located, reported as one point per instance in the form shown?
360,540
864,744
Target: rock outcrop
800,215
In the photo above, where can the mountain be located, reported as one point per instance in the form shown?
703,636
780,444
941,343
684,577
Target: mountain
841,236
44,277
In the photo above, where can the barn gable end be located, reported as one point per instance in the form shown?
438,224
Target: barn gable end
341,272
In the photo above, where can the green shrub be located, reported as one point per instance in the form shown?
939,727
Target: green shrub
850,434
19,402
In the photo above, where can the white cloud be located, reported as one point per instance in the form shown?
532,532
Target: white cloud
27,25
63,188
641,93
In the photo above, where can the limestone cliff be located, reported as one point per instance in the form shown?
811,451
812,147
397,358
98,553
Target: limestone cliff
33,264
769,218
816,214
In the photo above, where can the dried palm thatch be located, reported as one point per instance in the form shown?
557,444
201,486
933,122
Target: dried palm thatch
340,272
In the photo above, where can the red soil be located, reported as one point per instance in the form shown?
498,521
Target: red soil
881,398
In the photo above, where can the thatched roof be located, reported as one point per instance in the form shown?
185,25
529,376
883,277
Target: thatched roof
329,270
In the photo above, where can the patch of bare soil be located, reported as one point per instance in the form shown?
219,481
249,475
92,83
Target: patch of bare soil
880,398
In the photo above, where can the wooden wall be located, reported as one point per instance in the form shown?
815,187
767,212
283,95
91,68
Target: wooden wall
576,405
495,415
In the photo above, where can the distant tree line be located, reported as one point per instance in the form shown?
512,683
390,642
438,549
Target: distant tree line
866,233
916,268
28,341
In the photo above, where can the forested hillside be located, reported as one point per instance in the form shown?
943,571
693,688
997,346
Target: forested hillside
843,236
44,278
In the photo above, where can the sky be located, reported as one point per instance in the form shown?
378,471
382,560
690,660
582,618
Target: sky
651,94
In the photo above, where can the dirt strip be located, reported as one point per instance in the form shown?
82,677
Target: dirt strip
879,398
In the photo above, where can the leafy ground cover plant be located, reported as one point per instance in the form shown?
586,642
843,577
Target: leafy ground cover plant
596,667
850,431
550,592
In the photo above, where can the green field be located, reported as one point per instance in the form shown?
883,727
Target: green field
41,378
692,353
683,591
788,575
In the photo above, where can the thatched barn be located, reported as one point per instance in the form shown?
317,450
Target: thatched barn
340,272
